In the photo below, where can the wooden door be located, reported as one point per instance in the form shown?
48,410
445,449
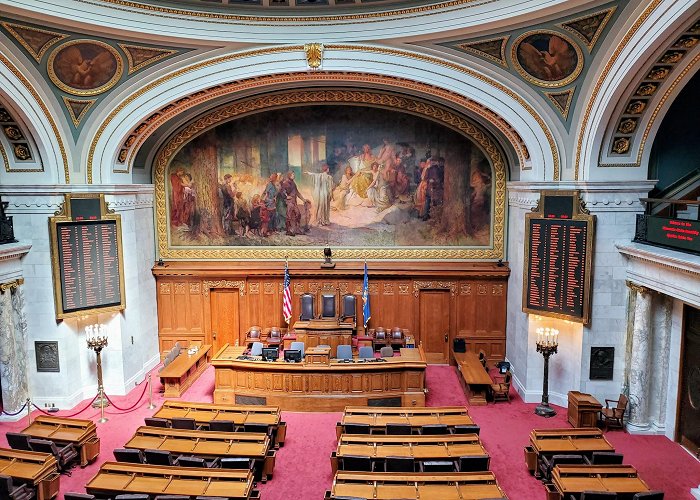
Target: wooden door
434,324
224,317
689,407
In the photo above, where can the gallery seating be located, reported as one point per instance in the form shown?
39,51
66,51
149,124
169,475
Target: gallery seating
156,422
159,457
437,466
78,496
399,464
613,416
604,458
356,463
128,455
473,463
183,423
222,426
467,429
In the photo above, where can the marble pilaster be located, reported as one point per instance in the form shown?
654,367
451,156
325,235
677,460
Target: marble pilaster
640,361
663,309
13,346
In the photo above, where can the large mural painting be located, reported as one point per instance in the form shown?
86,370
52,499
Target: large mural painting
345,176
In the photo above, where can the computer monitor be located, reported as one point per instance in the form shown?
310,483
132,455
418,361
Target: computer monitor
270,354
292,355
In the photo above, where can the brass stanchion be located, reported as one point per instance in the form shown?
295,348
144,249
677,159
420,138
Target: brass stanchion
101,397
151,406
29,410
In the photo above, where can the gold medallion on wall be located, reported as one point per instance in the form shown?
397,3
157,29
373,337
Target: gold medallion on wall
85,67
547,58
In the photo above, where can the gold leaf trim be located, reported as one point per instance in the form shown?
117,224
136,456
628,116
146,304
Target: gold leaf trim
5,160
69,106
207,285
471,47
134,67
564,110
84,92
12,29
11,285
545,83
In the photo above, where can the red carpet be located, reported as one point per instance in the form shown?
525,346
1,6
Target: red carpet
302,468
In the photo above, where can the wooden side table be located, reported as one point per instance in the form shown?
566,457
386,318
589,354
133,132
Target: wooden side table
318,356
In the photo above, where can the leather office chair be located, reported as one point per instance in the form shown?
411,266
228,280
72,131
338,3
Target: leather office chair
548,463
344,352
605,458
649,495
399,464
18,441
501,389
10,491
614,416
192,462
128,455
159,457
380,338
349,308
253,335
398,430
386,352
132,496
222,426
298,346
328,309
78,496
476,463
171,497
257,428
598,495
156,422
356,463
397,337
365,352
64,455
307,307
467,429
183,423
274,338
434,429
482,359
356,429
437,466
238,463
256,349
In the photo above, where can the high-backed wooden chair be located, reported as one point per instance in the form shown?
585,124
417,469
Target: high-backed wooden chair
274,337
328,306
501,389
349,311
614,416
254,334
307,307
397,338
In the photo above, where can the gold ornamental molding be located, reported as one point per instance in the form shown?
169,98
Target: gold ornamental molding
603,76
537,81
639,288
314,54
11,285
54,127
200,16
434,285
277,50
373,98
207,285
155,120
57,54
5,159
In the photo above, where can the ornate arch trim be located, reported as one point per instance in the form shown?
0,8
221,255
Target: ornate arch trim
301,97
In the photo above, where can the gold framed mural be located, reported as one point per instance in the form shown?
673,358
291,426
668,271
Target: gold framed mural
547,58
85,67
372,174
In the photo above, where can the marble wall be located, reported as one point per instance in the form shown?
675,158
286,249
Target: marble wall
133,335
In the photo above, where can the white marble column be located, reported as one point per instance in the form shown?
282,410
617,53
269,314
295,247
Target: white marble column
640,361
13,346
663,309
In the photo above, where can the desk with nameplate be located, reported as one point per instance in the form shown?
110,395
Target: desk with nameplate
378,416
620,479
37,469
208,444
391,485
203,413
116,478
419,448
81,433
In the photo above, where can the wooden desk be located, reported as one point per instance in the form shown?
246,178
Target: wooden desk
208,444
203,413
583,409
323,332
81,433
302,387
573,479
564,441
179,375
475,379
390,485
445,447
37,469
115,478
318,355
377,417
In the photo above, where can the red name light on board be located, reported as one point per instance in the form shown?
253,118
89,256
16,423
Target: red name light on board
92,217
552,216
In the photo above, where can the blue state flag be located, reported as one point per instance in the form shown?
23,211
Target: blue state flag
365,298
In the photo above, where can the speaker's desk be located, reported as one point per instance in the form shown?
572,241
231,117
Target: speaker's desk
316,387
316,332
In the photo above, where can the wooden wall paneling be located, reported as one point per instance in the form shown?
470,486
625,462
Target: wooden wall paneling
225,324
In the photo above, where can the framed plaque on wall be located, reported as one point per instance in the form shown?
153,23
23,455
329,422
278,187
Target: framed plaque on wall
86,257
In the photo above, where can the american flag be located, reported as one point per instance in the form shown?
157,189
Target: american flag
286,296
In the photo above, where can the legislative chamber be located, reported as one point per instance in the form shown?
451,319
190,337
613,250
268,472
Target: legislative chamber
370,249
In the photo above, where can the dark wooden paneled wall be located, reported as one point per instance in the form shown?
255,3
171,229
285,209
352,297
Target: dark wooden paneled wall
195,299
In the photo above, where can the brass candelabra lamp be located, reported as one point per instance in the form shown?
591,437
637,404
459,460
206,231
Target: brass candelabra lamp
547,344
96,336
